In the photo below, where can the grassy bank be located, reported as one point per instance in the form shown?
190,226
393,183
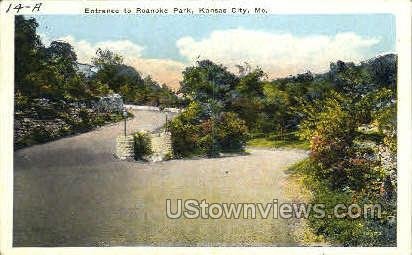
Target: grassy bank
335,231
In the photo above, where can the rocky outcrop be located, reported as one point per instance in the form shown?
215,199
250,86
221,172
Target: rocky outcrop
109,103
41,120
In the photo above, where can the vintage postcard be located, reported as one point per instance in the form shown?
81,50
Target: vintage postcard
205,127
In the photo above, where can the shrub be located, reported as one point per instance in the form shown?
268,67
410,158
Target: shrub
333,133
40,134
85,123
232,132
386,121
195,133
141,145
185,129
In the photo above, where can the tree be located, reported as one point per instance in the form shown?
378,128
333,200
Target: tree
277,106
61,54
114,73
29,53
61,50
128,82
105,57
45,72
383,70
250,85
208,81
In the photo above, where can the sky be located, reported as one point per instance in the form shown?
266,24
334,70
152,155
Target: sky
163,45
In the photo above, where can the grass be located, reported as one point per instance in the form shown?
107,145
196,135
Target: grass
267,142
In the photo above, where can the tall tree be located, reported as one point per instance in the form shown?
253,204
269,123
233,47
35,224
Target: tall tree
208,81
28,53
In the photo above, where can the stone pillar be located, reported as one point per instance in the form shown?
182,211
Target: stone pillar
160,146
125,147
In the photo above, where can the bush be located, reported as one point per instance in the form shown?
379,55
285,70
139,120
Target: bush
194,133
141,145
184,129
231,132
84,124
41,134
333,133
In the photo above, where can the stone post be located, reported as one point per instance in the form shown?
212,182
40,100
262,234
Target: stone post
125,147
160,146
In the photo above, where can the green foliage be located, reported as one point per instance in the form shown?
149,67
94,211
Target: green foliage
332,127
219,113
114,75
383,70
106,58
99,88
231,132
45,72
251,84
248,99
347,128
332,133
184,129
52,72
141,145
208,81
249,109
28,51
196,133
383,115
276,105
287,140
345,231
40,135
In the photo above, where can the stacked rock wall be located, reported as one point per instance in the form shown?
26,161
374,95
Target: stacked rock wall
125,147
109,103
160,146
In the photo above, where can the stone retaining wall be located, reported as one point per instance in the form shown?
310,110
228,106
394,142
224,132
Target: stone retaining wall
41,120
160,147
151,108
110,103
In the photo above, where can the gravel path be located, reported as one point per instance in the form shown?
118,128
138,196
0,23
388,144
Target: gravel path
72,192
